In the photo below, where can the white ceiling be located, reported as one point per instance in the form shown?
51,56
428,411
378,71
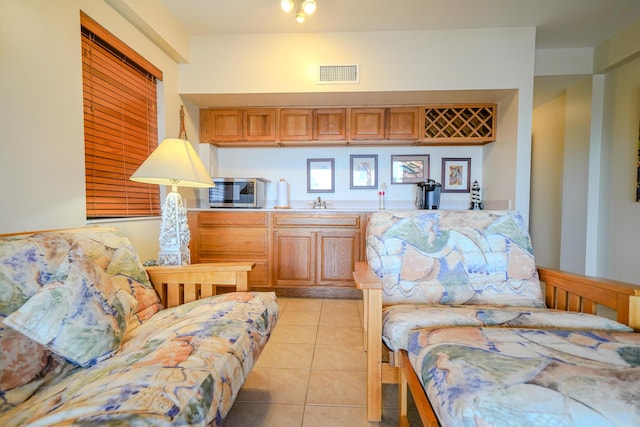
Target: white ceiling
559,23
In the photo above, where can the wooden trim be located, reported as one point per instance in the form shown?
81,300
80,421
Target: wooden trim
105,35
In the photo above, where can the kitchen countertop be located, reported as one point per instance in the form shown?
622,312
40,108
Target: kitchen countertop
332,206
358,206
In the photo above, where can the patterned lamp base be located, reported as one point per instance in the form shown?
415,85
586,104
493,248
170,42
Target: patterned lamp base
174,232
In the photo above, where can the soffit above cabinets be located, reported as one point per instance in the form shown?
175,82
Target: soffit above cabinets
320,99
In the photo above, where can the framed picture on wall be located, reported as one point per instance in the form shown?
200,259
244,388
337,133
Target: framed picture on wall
320,176
456,175
363,171
409,169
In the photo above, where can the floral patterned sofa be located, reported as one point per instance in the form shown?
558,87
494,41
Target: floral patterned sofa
474,269
85,340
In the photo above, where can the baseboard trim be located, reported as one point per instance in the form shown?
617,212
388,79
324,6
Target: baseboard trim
312,292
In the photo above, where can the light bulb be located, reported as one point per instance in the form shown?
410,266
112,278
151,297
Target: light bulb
286,5
300,16
309,6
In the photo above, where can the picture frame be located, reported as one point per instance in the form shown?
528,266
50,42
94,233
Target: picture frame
321,175
456,175
409,169
363,171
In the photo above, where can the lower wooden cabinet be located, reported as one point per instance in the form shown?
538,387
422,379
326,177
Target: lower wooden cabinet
294,258
231,236
291,250
338,251
315,249
315,258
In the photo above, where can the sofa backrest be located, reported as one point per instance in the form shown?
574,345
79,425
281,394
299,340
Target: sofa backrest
453,257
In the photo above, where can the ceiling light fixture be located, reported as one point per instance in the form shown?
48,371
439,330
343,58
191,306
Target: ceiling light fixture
309,6
305,8
287,5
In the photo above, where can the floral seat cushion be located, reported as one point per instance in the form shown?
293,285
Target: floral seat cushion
400,319
529,377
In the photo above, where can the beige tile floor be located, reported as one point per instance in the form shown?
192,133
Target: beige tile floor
312,372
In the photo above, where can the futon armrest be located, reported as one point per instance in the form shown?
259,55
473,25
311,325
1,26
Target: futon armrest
578,292
179,284
365,278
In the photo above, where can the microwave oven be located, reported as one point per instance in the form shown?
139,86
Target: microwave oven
238,193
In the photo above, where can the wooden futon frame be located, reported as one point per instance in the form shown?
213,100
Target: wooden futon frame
563,291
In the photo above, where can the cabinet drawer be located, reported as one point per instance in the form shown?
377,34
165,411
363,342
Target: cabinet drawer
258,219
319,220
233,242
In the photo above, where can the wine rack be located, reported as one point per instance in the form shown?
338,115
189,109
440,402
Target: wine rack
459,123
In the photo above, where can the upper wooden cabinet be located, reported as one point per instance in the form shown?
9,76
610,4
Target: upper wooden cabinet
220,125
312,126
330,124
296,124
403,123
238,127
444,124
367,124
463,124
385,126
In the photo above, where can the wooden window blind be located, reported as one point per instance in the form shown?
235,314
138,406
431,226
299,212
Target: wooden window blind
120,124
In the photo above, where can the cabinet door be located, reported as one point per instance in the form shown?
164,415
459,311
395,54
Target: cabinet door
330,124
403,123
366,124
260,125
338,252
220,125
296,124
294,257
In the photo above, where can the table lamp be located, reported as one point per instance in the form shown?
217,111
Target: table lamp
174,162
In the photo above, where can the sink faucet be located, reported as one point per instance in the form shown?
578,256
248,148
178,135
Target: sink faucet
319,204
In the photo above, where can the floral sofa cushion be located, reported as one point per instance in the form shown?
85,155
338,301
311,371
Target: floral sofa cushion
529,377
400,319
29,262
82,318
184,366
453,257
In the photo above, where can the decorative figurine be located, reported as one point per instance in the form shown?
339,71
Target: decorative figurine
476,204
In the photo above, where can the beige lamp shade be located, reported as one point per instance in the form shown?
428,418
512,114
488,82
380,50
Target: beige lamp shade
174,162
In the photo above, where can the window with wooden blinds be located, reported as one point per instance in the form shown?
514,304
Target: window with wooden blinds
120,124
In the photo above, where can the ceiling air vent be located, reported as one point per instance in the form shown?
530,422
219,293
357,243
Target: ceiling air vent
338,74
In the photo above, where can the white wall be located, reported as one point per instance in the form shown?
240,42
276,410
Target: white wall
42,153
389,62
291,164
576,175
620,224
547,160
599,138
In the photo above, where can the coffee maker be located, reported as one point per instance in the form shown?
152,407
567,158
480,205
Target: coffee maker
428,194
